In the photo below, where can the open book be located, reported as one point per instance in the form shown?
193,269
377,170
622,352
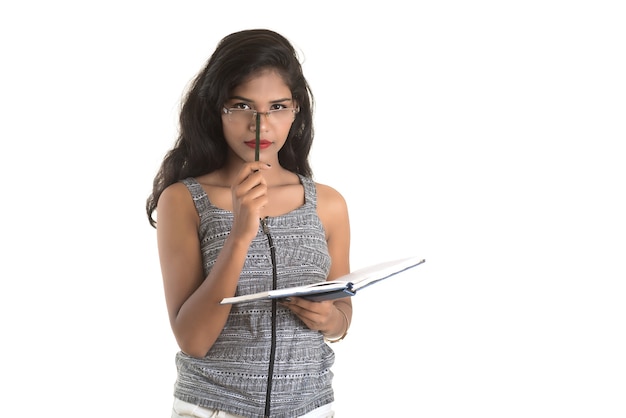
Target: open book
343,287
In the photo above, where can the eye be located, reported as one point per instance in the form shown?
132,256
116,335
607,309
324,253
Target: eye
240,105
278,106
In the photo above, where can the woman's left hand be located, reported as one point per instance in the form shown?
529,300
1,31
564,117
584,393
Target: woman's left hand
318,316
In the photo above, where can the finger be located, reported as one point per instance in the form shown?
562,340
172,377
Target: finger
251,168
256,194
252,186
248,180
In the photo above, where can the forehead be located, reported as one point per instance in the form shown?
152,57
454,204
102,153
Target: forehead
267,82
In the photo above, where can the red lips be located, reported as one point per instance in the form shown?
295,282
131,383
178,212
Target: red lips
262,144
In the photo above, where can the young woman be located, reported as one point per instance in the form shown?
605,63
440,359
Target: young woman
230,225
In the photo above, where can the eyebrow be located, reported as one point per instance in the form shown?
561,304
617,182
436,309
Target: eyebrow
245,99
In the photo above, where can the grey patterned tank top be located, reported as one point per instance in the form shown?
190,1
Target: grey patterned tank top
233,375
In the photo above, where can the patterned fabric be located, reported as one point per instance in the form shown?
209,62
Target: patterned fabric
233,375
182,409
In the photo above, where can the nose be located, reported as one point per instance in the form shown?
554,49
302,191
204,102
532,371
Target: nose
259,122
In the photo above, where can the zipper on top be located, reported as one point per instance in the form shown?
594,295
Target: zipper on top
270,372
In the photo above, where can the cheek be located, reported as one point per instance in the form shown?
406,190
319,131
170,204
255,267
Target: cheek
231,131
285,131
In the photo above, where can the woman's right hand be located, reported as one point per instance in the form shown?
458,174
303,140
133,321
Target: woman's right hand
249,194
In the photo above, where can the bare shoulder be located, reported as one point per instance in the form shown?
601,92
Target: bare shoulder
175,201
332,209
329,199
174,194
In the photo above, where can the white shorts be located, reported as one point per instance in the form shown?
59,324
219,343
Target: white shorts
182,409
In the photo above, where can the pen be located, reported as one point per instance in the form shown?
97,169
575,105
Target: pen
257,143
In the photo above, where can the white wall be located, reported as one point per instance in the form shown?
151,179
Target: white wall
486,137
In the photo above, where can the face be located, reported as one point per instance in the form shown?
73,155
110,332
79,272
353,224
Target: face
263,92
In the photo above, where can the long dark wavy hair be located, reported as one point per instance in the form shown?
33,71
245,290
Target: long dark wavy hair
201,147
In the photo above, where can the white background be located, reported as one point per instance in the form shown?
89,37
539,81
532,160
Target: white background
486,137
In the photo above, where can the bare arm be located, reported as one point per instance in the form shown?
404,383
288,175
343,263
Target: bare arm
193,301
